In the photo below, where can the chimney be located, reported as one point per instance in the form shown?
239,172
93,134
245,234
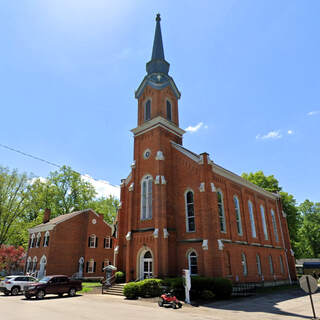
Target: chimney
46,217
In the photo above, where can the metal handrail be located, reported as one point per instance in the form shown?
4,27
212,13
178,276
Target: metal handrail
108,283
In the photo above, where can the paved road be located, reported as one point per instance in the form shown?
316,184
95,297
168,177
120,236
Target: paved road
288,305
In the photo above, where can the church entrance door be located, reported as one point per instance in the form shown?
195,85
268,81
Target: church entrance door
146,265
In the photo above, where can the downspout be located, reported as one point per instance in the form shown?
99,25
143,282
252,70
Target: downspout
285,249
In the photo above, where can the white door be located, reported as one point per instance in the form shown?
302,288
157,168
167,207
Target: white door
146,266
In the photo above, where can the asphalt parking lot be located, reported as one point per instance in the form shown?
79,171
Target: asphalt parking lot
292,304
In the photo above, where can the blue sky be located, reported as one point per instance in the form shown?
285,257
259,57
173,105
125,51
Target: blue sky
248,72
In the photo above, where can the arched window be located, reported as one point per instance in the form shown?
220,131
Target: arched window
46,239
244,264
238,214
190,212
264,223
169,110
274,223
251,215
38,240
281,265
146,198
147,110
270,264
258,265
28,266
34,266
93,241
91,266
193,263
222,219
33,239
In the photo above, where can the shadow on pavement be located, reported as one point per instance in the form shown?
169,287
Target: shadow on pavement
262,303
51,297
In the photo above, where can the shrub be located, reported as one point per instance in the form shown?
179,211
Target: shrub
150,287
175,284
222,288
207,295
131,290
120,277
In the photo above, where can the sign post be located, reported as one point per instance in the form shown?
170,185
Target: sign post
310,285
187,284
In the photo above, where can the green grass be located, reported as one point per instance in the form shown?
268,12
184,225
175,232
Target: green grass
88,286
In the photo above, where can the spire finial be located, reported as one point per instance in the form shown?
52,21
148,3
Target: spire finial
158,17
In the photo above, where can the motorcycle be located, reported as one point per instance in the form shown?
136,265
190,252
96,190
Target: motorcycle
168,299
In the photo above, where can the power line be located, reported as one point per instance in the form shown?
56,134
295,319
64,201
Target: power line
49,162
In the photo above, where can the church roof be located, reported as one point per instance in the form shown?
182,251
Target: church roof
157,68
224,172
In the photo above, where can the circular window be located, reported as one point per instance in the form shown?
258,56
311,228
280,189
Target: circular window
147,154
94,221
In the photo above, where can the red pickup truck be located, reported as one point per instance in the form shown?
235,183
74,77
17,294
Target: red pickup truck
53,285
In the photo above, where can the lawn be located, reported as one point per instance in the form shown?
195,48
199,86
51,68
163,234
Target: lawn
89,286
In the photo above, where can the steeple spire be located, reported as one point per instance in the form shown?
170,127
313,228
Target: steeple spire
157,64
157,50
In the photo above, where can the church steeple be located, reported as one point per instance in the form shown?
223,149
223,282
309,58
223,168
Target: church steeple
158,64
157,68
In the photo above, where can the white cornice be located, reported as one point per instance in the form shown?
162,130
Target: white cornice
41,228
186,152
235,178
158,122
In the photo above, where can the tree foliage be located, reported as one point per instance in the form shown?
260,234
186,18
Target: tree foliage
271,184
11,258
23,200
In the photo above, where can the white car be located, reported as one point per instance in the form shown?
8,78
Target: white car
15,284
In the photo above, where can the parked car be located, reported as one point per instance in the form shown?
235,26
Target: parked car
57,284
16,284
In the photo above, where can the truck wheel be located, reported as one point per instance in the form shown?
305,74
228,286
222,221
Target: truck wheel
72,292
6,293
15,291
40,294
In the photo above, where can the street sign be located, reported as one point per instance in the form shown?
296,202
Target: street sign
310,285
312,282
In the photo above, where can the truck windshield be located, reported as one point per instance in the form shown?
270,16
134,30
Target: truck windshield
45,280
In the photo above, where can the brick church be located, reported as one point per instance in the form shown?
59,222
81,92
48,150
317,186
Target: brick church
181,210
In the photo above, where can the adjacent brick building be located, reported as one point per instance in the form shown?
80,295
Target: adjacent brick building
182,210
74,244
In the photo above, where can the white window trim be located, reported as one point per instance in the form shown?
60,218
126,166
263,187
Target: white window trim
189,262
38,243
108,240
32,244
258,261
274,224
186,211
148,216
244,264
223,212
264,222
94,237
271,264
34,263
91,266
252,220
46,236
238,215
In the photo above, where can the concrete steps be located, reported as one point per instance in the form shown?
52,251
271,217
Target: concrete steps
116,289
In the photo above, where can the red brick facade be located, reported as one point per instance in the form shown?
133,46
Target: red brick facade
69,251
174,170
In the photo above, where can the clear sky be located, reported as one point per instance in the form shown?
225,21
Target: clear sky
248,72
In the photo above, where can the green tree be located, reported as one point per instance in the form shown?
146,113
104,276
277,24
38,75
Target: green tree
108,206
13,204
271,184
310,230
67,192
